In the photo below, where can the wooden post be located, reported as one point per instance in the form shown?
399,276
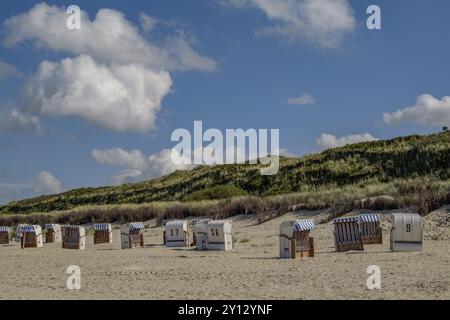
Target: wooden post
293,251
311,247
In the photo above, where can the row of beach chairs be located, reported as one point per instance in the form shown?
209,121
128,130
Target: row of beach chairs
352,233
207,235
73,237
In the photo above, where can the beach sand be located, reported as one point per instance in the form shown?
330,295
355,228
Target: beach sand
251,271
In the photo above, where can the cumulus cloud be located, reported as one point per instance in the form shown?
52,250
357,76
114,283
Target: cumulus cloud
16,121
14,191
185,56
110,37
428,110
305,99
328,141
147,22
7,70
119,97
116,78
138,166
133,159
46,183
321,22
43,184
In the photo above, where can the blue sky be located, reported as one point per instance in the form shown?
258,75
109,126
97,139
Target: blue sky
231,64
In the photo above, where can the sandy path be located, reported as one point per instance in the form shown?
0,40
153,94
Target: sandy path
251,271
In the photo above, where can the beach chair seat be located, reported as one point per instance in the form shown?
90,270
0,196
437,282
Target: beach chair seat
347,234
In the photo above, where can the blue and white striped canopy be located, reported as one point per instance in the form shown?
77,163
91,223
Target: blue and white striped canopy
4,229
369,217
136,225
22,229
204,221
48,226
304,225
100,226
70,227
345,219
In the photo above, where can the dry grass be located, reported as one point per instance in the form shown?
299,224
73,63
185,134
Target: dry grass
420,195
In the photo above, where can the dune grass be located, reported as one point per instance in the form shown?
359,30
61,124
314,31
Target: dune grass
419,195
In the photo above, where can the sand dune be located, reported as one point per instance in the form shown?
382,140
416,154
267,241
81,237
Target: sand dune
251,271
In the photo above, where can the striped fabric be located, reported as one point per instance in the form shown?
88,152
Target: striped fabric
71,236
204,221
136,225
304,225
345,219
100,226
369,217
70,227
347,230
24,229
4,229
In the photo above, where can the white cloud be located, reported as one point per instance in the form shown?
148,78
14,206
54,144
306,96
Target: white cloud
133,159
328,141
14,191
119,97
161,164
185,56
116,78
321,22
428,110
147,22
17,121
7,70
46,184
138,166
110,38
43,184
305,99
128,176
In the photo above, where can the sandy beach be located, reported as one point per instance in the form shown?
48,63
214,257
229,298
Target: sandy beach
251,271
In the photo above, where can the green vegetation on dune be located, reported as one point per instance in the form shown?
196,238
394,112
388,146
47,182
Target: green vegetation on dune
353,165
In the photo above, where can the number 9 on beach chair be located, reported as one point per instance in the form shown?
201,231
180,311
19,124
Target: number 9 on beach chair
406,232
347,234
294,237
